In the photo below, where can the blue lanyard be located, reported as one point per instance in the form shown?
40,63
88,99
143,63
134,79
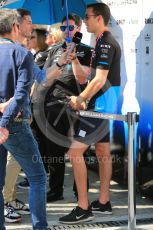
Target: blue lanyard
6,40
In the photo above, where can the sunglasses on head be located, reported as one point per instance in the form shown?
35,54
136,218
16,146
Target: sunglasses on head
63,28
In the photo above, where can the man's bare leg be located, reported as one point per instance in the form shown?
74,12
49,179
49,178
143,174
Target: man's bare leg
75,153
105,170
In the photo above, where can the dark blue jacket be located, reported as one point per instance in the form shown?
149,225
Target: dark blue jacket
16,77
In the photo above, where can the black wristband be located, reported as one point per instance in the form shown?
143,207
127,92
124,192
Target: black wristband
58,65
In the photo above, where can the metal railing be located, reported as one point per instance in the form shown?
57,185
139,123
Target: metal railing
131,118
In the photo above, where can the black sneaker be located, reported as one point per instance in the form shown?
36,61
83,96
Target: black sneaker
97,207
24,184
77,215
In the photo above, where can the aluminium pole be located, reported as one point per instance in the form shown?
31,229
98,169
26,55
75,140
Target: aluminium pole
131,119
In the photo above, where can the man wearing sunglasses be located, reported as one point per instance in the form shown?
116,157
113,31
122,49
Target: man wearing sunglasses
57,115
70,27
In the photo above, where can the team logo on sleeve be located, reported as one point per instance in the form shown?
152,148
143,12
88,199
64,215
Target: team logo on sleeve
104,51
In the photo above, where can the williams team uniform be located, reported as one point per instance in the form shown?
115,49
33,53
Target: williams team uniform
106,56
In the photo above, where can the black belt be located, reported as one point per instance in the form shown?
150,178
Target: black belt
21,120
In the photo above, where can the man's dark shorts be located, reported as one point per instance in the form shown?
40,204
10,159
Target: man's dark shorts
92,130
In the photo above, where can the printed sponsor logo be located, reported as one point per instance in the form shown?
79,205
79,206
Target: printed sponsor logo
148,20
123,21
147,37
79,217
105,46
82,133
104,56
80,54
120,21
121,2
134,21
104,51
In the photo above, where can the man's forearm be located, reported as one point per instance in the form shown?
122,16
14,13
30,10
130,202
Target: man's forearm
92,88
79,71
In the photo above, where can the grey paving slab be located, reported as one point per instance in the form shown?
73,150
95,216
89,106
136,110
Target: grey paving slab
119,200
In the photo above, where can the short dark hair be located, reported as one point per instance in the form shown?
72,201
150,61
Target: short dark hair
21,13
74,17
101,9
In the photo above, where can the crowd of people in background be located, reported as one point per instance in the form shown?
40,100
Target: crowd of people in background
53,80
